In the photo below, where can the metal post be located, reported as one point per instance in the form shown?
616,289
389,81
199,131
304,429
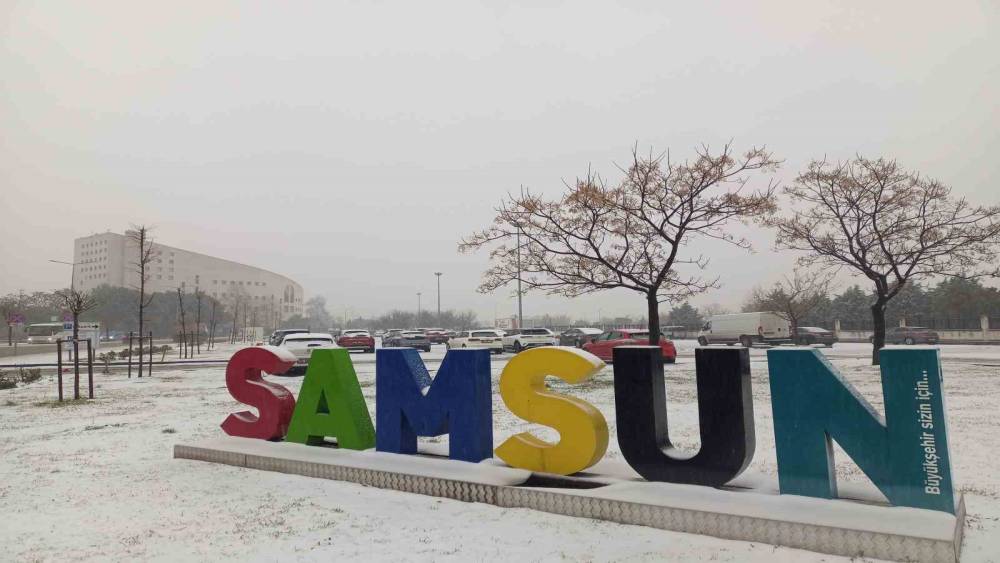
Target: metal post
418,308
59,361
130,354
76,368
438,274
90,369
520,310
150,372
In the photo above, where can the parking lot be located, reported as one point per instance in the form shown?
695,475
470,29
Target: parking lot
96,480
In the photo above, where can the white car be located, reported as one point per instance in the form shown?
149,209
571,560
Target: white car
302,344
521,339
487,338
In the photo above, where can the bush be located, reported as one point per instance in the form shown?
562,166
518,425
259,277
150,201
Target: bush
29,375
9,380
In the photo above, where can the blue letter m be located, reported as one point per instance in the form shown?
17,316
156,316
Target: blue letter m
459,402
905,454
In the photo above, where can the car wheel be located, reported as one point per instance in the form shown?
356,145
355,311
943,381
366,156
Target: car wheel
464,346
746,342
909,341
702,341
671,360
517,347
427,349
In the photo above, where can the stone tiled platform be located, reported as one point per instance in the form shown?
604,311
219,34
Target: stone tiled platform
840,527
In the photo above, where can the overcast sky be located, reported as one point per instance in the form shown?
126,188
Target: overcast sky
350,145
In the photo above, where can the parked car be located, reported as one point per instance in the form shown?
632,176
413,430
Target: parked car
484,338
435,335
604,345
578,336
745,329
407,339
357,339
521,339
302,344
909,335
379,333
809,335
278,335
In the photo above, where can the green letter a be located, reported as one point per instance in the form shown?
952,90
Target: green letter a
330,404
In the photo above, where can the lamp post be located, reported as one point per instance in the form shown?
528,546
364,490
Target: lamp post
438,274
520,311
72,287
72,278
418,308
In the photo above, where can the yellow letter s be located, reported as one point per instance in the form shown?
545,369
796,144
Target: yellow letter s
583,431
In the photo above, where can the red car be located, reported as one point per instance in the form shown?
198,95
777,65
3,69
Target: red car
357,340
608,340
436,335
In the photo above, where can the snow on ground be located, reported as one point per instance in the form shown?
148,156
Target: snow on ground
96,480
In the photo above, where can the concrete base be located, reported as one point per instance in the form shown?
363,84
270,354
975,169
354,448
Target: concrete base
840,527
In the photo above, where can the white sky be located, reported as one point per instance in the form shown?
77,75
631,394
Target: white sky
349,145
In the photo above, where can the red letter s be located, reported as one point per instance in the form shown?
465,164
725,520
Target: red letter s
274,402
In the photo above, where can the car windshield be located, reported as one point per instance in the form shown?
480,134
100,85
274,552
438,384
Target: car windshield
811,329
484,334
535,331
638,334
355,333
413,334
915,328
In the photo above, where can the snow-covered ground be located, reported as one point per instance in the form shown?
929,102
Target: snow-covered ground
96,480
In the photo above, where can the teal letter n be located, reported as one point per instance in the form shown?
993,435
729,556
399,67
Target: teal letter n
905,454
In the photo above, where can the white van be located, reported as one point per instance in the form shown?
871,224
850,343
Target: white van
745,329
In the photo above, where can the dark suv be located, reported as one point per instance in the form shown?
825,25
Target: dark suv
909,335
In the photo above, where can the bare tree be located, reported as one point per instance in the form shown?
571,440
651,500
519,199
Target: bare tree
10,306
77,303
631,235
182,343
146,252
890,225
794,297
198,295
211,326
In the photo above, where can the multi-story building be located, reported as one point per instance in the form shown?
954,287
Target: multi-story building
111,259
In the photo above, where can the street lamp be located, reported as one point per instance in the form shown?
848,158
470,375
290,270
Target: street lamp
72,278
438,274
520,310
418,307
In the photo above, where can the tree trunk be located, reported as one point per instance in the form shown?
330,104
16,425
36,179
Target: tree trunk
142,303
653,306
878,324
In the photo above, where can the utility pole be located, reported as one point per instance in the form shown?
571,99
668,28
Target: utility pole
418,308
438,274
520,310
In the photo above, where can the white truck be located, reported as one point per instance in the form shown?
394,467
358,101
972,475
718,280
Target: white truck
746,329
